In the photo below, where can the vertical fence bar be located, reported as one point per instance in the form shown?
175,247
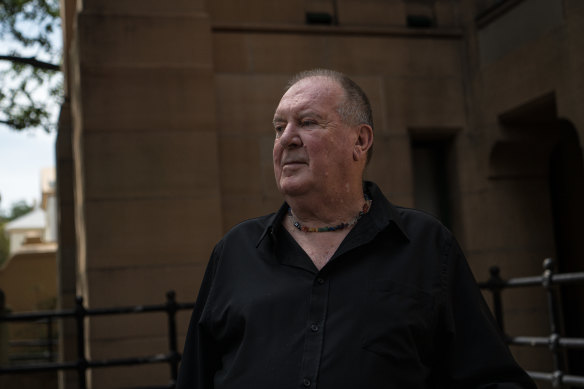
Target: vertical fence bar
548,266
50,339
80,314
496,285
171,309
3,330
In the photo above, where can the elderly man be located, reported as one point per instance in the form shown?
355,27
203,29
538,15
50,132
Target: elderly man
339,288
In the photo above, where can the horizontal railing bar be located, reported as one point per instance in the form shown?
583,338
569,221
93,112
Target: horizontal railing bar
545,341
573,380
523,281
27,316
536,375
43,356
529,341
38,367
555,279
565,278
158,358
32,343
551,377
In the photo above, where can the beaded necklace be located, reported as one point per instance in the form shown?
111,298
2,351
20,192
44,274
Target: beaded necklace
300,227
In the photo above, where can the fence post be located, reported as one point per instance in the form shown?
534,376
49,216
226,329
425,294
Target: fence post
51,356
3,331
80,314
495,284
548,266
171,309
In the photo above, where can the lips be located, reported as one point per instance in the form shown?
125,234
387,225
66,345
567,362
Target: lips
293,160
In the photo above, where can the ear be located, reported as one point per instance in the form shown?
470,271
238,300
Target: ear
363,142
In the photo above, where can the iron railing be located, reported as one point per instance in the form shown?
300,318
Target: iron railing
554,341
82,364
548,280
44,346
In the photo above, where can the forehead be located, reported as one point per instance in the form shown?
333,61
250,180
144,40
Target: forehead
316,93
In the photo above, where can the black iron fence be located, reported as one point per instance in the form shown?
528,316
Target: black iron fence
556,343
82,364
548,280
34,347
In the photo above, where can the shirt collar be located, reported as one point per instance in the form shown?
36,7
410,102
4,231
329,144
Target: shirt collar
383,213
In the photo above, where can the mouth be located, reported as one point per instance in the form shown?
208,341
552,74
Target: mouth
293,163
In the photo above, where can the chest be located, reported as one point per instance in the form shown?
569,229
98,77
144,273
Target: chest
320,247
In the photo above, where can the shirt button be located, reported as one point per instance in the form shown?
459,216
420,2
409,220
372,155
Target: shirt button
314,327
306,382
320,280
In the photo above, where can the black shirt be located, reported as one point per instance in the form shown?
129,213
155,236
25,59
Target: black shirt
395,307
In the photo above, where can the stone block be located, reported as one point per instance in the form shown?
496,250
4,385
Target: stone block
257,11
144,6
246,103
390,167
67,226
66,274
65,177
288,53
509,215
240,165
372,13
374,87
146,164
158,99
268,181
230,53
146,375
424,102
144,40
238,208
141,286
447,13
151,232
394,55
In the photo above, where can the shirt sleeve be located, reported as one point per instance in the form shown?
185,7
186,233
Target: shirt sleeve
199,359
475,354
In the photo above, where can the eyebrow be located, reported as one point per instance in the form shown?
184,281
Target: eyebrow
301,114
277,120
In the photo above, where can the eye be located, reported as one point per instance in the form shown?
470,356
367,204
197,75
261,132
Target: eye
279,128
307,122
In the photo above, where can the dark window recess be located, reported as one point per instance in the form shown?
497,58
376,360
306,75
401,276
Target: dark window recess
319,18
431,178
419,21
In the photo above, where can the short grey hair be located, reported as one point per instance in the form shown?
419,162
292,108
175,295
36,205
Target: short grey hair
355,109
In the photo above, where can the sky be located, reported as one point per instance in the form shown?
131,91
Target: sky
23,154
22,157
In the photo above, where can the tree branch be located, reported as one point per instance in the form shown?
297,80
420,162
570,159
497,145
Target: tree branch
31,61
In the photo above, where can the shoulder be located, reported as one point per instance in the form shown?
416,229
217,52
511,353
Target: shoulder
413,217
246,234
255,226
423,228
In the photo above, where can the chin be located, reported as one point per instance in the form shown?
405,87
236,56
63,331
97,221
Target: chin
289,187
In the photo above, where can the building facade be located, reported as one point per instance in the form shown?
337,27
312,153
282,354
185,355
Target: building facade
165,139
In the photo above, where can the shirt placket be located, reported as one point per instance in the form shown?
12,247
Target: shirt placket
314,333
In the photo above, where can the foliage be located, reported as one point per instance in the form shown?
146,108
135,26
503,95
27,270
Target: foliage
4,244
29,30
17,210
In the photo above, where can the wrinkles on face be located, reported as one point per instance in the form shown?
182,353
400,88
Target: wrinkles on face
311,142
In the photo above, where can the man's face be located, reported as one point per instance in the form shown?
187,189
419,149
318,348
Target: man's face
313,147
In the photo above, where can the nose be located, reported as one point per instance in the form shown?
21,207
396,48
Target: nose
290,137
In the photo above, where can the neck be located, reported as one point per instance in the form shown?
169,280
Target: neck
325,209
